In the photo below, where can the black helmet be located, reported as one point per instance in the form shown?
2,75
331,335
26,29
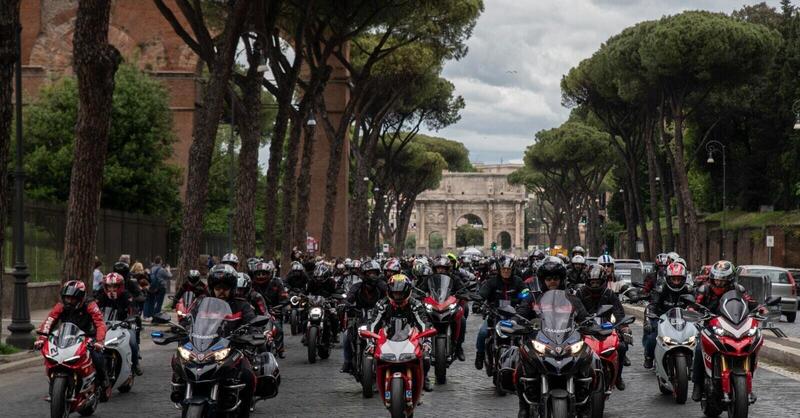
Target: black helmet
399,290
551,267
243,285
193,277
322,272
222,275
442,262
597,279
538,255
505,262
371,265
122,269
421,270
297,266
73,289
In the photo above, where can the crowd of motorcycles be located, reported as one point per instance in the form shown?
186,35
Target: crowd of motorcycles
557,362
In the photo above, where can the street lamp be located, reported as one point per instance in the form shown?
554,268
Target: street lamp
712,147
21,326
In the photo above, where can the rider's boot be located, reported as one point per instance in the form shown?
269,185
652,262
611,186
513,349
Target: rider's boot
697,391
648,363
524,408
479,360
137,369
427,386
347,367
620,384
460,352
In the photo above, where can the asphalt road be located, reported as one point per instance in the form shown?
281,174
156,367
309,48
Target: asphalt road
318,390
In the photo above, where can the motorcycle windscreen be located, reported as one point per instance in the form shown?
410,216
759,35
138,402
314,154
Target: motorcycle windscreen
733,307
109,314
187,299
208,320
676,318
555,310
440,286
399,330
68,335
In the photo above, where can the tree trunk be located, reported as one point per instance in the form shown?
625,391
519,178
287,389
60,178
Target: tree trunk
273,175
204,133
249,121
640,215
95,62
630,222
374,222
669,245
403,219
332,189
304,186
654,213
288,186
693,248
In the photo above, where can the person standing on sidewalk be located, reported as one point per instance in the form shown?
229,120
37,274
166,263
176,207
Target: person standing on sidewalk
159,274
97,276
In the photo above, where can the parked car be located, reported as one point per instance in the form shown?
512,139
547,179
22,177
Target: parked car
796,275
627,270
590,261
783,285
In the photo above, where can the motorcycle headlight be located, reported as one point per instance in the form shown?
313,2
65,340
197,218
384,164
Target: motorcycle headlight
428,306
72,359
752,332
691,340
222,354
719,331
666,340
184,353
576,348
452,306
541,348
316,311
112,342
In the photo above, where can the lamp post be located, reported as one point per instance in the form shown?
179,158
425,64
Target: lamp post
712,147
21,326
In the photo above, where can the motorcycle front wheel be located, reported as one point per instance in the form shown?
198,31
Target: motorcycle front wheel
311,341
560,408
440,355
59,397
194,411
398,405
740,402
295,321
598,398
680,380
366,377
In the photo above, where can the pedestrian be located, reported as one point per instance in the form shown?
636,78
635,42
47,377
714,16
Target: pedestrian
159,275
139,275
97,276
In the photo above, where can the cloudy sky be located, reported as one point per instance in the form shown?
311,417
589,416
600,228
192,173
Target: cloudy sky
517,55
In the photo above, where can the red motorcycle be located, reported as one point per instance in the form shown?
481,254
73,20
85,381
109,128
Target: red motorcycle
398,365
605,344
730,344
446,312
69,368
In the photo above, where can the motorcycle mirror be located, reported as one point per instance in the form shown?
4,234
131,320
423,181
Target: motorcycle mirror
162,318
427,333
773,300
364,333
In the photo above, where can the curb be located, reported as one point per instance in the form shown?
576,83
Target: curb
776,353
33,359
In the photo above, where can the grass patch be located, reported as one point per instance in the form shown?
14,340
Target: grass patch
8,349
740,220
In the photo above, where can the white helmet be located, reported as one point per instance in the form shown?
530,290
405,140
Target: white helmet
605,259
230,259
578,259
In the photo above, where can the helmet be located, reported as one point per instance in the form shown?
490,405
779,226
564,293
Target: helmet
348,264
578,250
672,256
297,266
222,275
505,262
370,265
564,259
538,255
193,277
356,265
262,272
605,260
662,260
322,272
680,260
399,290
721,270
243,285
392,266
442,262
251,263
122,269
578,259
551,267
597,279
421,270
113,284
465,259
73,289
676,270
230,259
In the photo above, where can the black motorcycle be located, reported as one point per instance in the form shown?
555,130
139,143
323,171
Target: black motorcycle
319,336
363,365
297,316
557,370
208,359
502,347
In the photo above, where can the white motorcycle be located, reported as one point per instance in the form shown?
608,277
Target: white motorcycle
677,336
117,353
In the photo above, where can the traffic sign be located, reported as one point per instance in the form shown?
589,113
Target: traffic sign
770,241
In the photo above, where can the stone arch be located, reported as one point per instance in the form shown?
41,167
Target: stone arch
465,234
504,240
435,243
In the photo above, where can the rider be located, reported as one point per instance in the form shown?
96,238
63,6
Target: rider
231,259
399,303
297,278
363,295
244,291
596,294
607,262
503,287
442,266
577,273
666,296
271,288
721,280
391,267
112,294
658,276
74,308
323,284
194,284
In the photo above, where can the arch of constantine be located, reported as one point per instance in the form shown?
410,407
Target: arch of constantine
485,195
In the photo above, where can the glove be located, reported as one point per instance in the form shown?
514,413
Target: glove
98,346
426,346
763,311
38,344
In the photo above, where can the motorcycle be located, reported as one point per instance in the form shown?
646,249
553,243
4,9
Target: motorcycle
117,353
605,344
677,337
318,336
297,317
206,360
560,375
730,343
263,362
446,314
69,368
363,364
498,343
184,306
398,362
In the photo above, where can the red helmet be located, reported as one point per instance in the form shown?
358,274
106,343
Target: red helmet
676,270
112,285
76,290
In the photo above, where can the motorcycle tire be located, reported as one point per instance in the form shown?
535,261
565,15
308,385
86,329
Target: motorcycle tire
440,356
662,388
324,351
89,408
367,377
398,403
311,344
680,380
125,388
559,408
194,411
740,403
710,405
598,398
295,321
498,386
59,397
